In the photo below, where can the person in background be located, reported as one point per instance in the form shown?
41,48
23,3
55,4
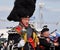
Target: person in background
45,40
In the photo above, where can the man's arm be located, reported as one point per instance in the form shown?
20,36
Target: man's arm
43,42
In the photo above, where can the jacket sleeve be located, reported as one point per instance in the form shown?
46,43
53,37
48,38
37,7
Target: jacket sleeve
13,35
44,43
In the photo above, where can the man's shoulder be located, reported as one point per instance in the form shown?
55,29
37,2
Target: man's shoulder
15,29
12,31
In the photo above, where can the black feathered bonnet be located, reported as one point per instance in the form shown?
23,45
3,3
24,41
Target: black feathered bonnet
22,8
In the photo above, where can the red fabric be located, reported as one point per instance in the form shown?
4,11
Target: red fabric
42,47
30,40
18,28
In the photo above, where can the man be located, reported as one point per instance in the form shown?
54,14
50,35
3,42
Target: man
44,40
24,24
22,11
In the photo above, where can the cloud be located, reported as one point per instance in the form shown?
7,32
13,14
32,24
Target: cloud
5,8
57,10
54,9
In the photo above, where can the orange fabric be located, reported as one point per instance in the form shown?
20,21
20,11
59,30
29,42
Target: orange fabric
42,47
30,40
18,29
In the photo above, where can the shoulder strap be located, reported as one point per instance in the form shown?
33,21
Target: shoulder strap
18,29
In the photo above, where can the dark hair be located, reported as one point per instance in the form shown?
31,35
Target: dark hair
44,30
45,26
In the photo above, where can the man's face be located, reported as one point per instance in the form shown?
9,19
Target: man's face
25,21
46,34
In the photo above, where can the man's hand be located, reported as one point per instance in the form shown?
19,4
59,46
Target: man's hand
48,40
56,44
21,43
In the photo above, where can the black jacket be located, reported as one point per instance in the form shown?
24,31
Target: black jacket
45,44
14,35
22,8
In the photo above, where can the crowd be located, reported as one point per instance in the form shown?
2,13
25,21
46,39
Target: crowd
25,36
39,40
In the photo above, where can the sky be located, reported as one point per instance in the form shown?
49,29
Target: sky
51,13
